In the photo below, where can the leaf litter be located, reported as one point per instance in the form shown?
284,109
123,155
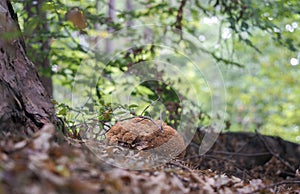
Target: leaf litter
41,164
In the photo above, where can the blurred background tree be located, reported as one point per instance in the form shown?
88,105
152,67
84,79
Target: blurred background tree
254,43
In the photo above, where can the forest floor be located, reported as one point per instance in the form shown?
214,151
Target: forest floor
238,163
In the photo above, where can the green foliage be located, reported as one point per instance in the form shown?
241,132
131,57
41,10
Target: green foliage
252,41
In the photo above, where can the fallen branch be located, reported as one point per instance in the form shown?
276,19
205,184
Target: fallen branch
276,155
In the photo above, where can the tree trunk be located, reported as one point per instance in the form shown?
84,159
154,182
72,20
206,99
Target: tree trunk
24,102
111,18
129,7
40,54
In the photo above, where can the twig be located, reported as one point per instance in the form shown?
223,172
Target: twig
242,154
193,174
276,155
226,61
289,182
224,159
151,104
160,127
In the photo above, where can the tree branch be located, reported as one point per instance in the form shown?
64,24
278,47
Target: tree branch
178,23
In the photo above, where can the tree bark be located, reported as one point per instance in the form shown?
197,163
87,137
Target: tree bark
24,102
129,7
